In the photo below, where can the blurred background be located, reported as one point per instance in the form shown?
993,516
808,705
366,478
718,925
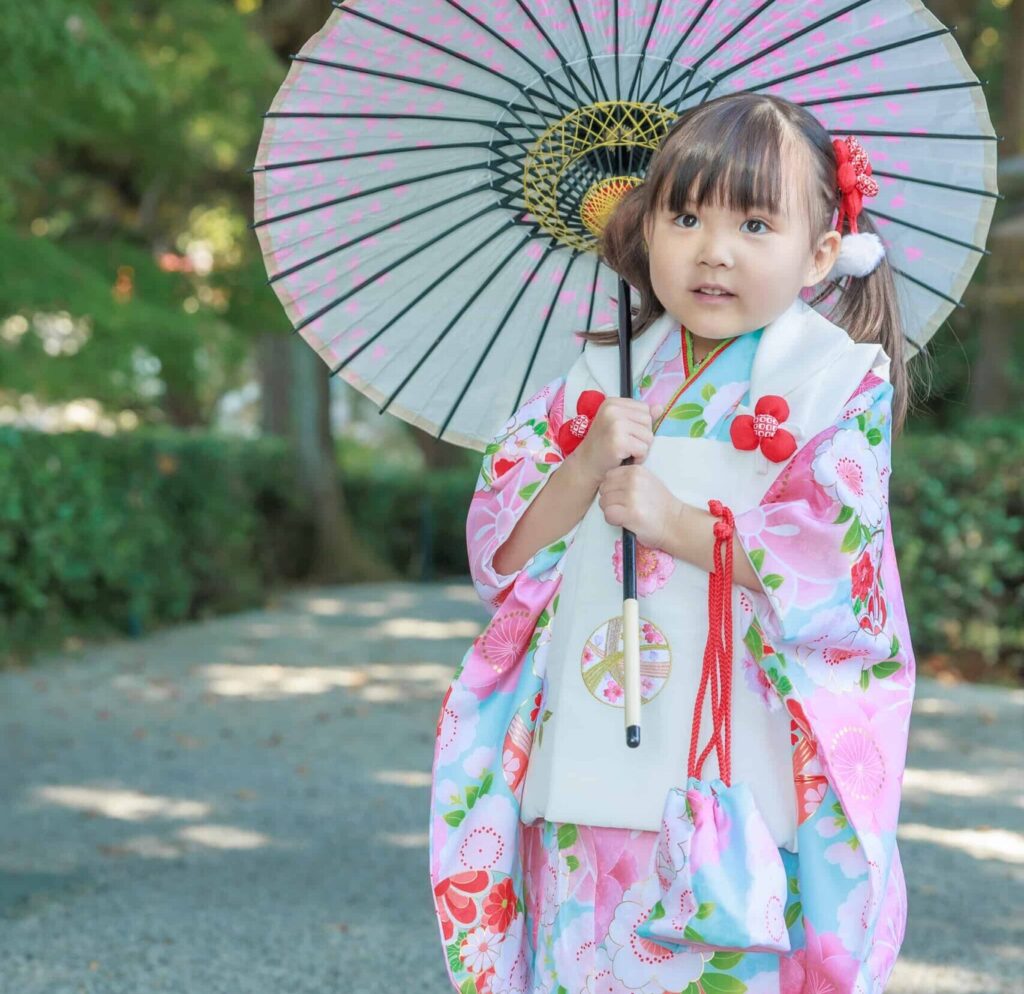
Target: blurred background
207,542
170,451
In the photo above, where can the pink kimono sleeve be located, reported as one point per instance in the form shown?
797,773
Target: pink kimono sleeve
817,543
516,465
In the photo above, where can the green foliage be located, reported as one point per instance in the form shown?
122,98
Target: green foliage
957,504
160,526
129,129
405,510
121,534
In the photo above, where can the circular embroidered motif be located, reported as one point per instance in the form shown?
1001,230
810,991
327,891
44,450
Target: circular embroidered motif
858,762
602,658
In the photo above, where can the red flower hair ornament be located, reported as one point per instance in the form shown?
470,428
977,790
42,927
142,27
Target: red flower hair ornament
764,429
860,251
575,430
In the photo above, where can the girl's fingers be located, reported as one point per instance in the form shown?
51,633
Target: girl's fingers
633,410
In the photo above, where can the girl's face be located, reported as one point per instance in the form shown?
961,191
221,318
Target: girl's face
762,258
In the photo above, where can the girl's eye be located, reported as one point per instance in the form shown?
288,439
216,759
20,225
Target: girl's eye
749,221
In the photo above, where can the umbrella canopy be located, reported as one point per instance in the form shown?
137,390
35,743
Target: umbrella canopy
433,177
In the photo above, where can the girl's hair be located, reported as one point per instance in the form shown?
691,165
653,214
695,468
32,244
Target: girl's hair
735,148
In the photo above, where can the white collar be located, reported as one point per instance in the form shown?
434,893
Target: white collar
799,343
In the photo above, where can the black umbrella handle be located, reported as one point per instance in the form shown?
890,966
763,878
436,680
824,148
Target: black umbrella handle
630,605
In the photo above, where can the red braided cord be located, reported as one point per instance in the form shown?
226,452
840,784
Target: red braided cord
717,663
725,657
711,665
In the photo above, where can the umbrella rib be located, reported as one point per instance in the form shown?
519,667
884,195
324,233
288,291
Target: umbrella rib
376,231
926,286
615,50
494,337
348,156
944,186
688,76
543,332
914,134
692,71
837,285
886,93
362,193
597,78
548,79
461,56
416,251
451,324
928,231
647,41
346,115
408,307
664,67
835,62
365,71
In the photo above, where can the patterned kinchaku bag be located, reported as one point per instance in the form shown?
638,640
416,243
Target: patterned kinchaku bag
721,878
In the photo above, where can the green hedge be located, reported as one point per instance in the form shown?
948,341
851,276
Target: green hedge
119,535
956,502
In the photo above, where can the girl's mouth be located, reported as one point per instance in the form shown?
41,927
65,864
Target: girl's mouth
712,298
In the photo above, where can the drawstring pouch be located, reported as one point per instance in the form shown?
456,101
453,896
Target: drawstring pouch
721,880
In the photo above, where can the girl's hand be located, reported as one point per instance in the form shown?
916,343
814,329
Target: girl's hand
621,428
633,497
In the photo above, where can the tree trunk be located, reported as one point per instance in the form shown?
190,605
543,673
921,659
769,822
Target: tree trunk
1002,299
296,405
437,454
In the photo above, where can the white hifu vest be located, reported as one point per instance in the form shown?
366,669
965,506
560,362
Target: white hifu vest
581,770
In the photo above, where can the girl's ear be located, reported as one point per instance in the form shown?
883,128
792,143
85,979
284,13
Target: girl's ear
824,257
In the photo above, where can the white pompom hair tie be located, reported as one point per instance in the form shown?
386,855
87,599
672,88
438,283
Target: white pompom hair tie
859,254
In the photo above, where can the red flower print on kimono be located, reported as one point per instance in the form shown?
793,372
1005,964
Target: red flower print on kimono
862,576
500,906
459,897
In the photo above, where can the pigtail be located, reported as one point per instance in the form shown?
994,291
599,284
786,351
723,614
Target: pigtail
868,310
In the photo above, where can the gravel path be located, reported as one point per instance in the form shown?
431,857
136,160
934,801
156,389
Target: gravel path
240,806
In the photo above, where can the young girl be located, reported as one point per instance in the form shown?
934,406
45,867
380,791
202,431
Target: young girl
778,422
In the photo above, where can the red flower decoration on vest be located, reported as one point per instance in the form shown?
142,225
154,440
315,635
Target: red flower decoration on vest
763,428
853,178
574,431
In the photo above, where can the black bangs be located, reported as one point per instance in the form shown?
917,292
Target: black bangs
726,154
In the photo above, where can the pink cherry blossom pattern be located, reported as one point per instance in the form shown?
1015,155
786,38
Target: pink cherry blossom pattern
653,567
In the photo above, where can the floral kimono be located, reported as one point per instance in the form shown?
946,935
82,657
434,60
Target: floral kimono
553,908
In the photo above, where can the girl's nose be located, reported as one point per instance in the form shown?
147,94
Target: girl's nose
715,252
